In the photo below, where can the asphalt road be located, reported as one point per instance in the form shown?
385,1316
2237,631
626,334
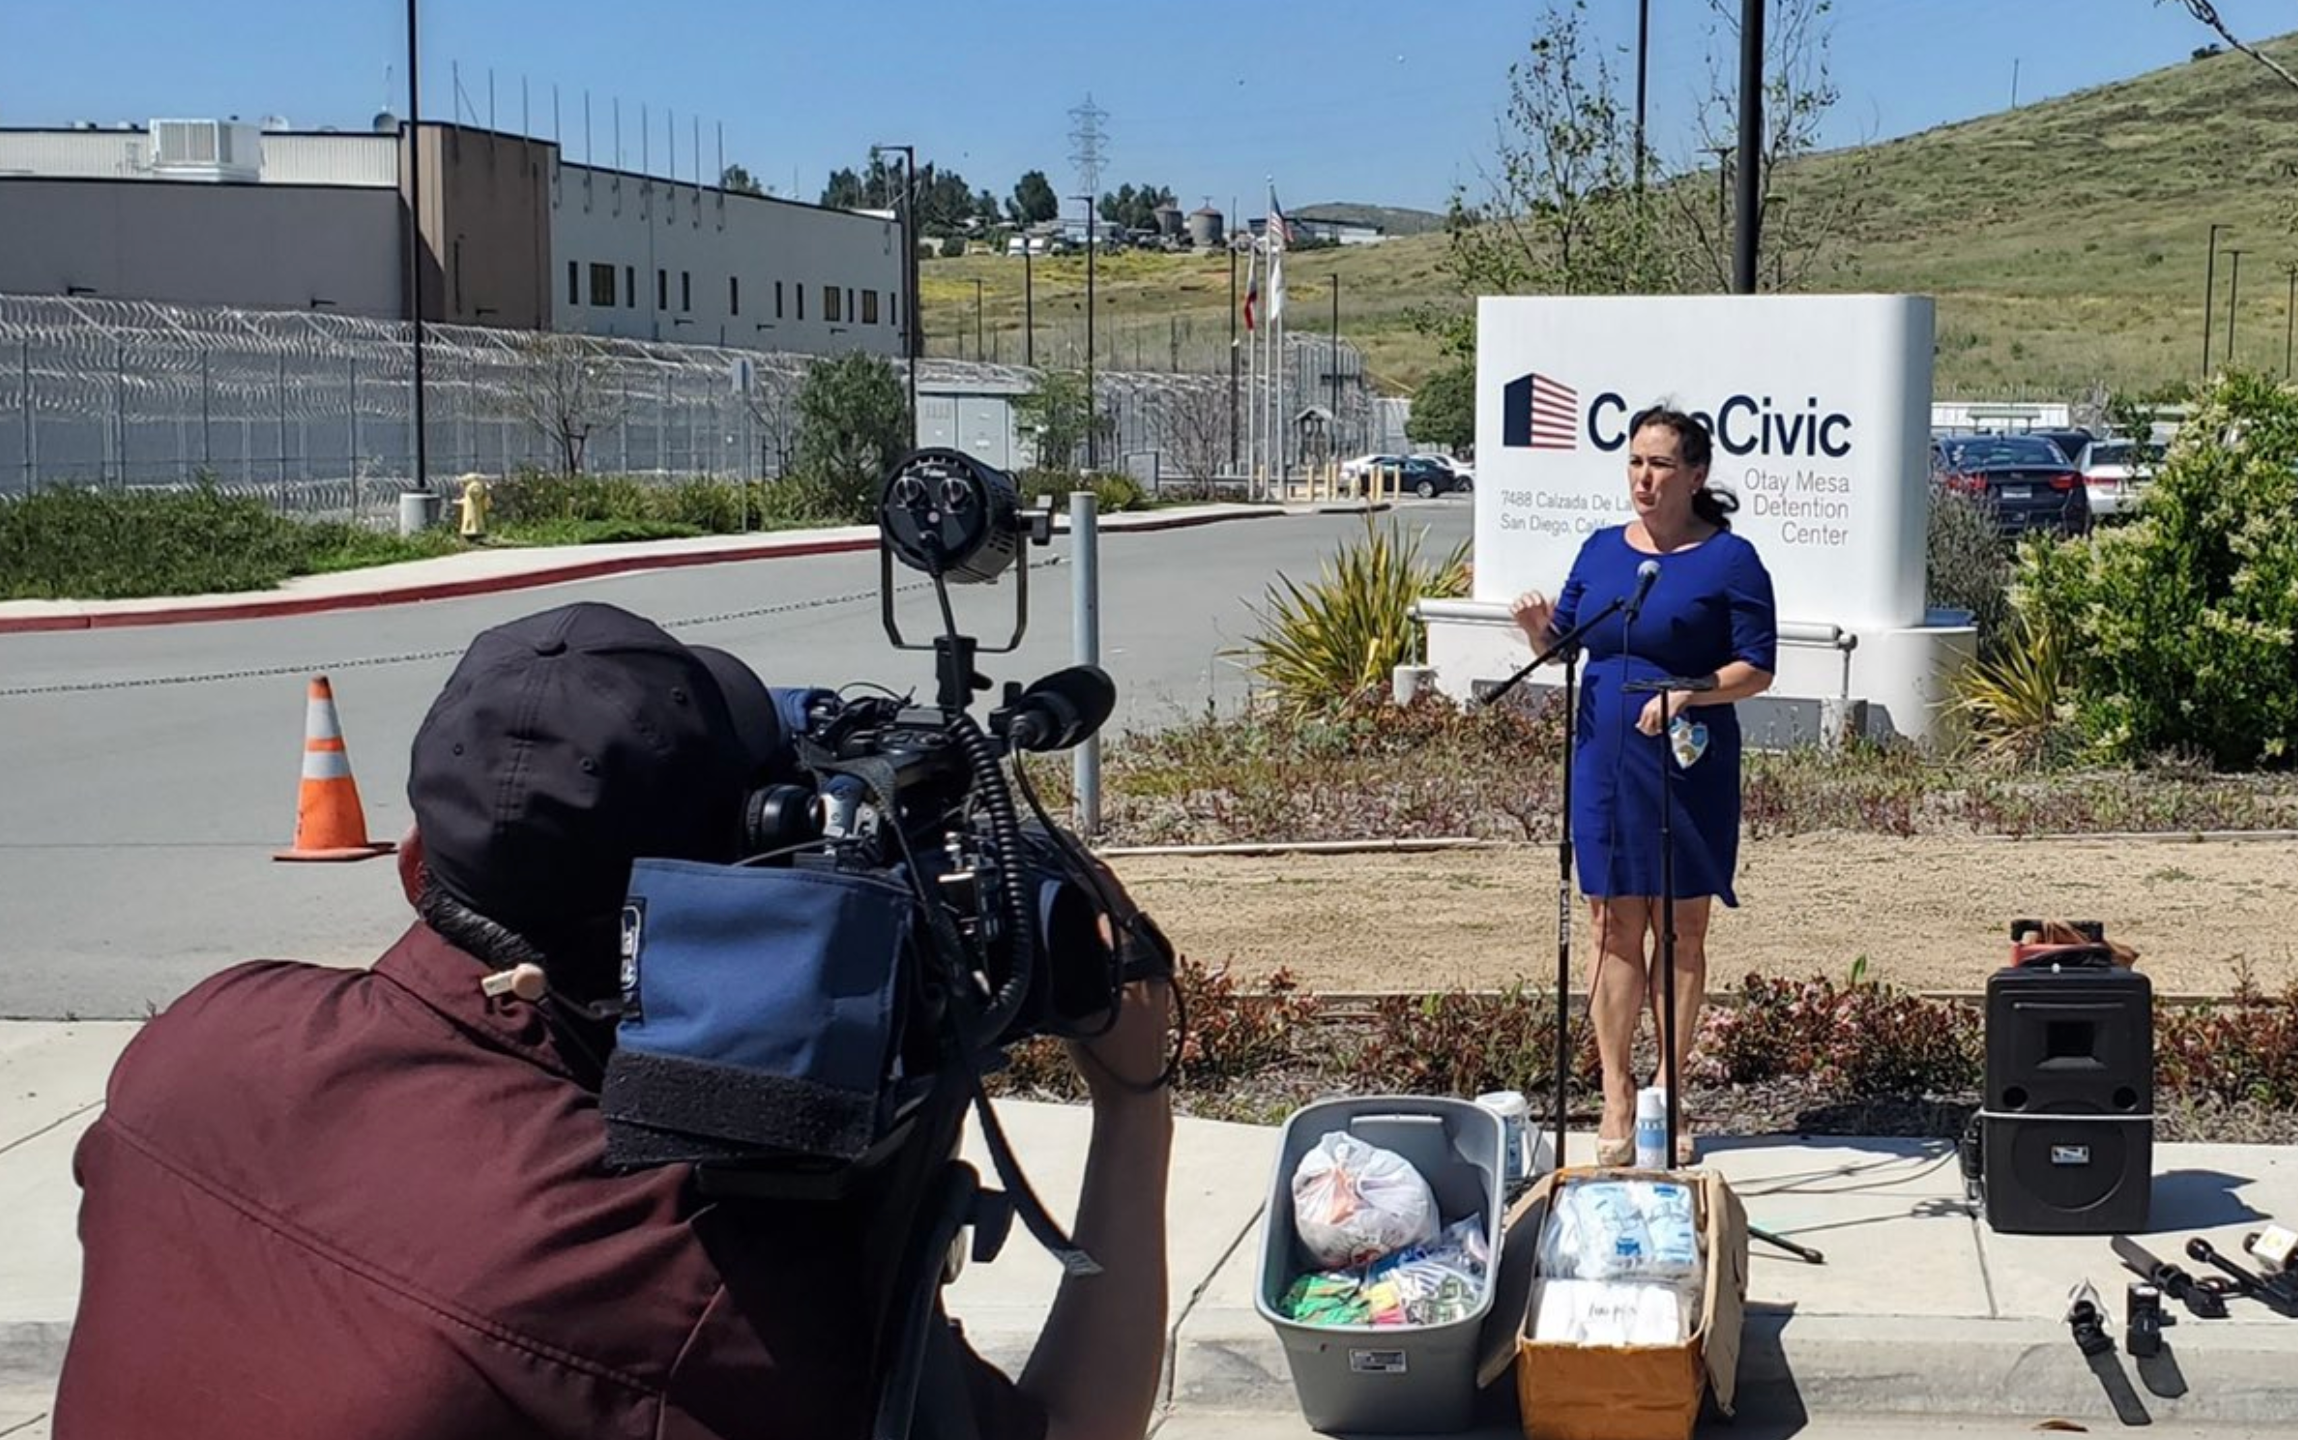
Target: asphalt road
146,775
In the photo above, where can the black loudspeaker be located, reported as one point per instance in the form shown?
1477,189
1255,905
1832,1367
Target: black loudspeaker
2067,1126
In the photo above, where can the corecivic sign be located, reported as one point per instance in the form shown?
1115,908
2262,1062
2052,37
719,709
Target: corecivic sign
1819,407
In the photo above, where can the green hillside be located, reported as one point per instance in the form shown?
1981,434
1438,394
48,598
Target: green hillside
2065,242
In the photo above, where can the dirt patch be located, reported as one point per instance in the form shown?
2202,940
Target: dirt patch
1929,913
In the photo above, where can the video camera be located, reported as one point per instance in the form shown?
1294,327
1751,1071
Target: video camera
901,920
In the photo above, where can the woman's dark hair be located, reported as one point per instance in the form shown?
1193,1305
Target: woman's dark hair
1693,442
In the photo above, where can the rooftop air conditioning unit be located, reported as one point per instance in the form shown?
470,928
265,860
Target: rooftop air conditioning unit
217,150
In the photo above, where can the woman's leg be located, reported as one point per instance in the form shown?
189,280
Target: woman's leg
1615,1004
1691,993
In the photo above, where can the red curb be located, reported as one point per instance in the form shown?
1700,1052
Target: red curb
457,589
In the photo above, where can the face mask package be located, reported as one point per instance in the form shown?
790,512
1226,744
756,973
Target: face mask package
1620,1263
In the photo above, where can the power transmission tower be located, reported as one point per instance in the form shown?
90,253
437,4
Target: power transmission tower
1088,137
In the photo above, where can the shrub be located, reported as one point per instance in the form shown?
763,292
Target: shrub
1966,564
2008,705
1461,1043
713,507
1112,491
853,423
2182,627
795,502
2242,1052
1337,640
109,544
1854,1038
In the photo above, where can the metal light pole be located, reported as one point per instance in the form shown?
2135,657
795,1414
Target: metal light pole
1336,445
2233,292
415,241
2210,295
913,333
1232,358
1745,243
1092,413
977,320
1028,306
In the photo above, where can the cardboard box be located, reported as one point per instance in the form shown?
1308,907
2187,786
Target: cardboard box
1617,1392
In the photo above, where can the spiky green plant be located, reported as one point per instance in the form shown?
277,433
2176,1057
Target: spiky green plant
2011,703
1338,639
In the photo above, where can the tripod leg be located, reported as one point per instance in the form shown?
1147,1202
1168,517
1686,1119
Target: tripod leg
1801,1252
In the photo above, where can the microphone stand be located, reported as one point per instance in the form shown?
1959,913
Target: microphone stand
1566,647
1665,687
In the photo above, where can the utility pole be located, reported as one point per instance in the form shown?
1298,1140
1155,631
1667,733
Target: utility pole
2210,296
977,320
1746,242
2014,82
913,333
1643,57
2233,292
415,242
2289,314
1028,306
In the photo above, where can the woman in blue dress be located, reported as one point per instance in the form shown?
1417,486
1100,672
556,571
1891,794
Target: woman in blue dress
1708,615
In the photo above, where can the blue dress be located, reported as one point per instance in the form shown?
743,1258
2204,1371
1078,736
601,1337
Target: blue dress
1711,605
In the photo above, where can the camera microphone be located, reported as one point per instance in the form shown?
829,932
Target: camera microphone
1646,573
1061,709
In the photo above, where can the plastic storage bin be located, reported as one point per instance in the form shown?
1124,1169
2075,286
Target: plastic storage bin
1387,1379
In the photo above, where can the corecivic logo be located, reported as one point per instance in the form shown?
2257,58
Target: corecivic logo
1540,412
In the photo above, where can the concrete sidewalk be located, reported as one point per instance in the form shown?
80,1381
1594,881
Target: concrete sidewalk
1919,1312
478,572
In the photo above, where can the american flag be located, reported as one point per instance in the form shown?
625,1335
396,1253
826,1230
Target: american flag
1555,415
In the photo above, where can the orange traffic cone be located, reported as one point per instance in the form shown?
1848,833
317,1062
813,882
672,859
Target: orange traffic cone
329,824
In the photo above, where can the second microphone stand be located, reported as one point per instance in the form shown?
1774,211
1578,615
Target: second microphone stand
1566,648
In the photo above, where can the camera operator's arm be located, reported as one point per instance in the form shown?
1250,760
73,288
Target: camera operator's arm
1098,1360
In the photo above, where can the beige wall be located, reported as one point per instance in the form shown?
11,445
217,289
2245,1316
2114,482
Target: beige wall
486,228
188,243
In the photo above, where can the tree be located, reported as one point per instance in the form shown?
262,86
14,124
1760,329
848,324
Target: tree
1135,209
2207,13
1444,409
737,180
1033,200
1575,208
1056,413
1193,425
567,392
853,423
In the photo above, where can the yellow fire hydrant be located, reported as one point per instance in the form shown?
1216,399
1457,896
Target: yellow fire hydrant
474,508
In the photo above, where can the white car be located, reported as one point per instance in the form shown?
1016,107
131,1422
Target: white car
2116,474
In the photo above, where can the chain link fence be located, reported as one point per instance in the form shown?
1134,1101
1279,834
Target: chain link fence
314,411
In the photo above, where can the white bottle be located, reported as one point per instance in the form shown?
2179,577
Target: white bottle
1652,1128
1510,1106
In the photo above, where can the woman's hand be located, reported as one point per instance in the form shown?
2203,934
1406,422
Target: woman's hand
1654,717
1532,612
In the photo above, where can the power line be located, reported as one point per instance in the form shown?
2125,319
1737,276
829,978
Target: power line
1088,137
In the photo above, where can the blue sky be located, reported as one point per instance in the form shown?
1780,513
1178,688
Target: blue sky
1382,101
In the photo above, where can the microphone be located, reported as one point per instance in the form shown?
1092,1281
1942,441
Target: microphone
1062,709
1646,573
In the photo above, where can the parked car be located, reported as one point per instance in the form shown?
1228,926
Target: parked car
1363,465
2116,473
1460,468
1429,477
2024,478
2070,441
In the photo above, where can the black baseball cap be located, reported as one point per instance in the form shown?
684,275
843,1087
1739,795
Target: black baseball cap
564,746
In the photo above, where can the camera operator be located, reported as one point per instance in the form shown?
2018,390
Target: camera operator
374,1203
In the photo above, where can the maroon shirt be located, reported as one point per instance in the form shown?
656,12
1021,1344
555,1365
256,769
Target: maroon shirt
354,1204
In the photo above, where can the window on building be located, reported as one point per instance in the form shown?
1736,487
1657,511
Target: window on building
830,310
574,283
853,311
601,284
630,286
777,299
733,294
894,305
801,301
662,289
869,307
686,290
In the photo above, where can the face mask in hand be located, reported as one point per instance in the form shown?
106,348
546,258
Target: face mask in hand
1687,740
